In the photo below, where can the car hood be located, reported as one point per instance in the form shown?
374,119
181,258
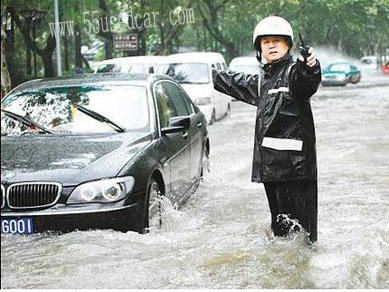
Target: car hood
197,90
68,159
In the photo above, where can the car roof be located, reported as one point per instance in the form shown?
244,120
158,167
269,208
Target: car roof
133,59
368,58
195,57
244,61
92,79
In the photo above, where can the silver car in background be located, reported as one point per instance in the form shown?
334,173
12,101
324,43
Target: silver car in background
193,71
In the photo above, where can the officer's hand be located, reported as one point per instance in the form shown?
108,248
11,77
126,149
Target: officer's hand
311,60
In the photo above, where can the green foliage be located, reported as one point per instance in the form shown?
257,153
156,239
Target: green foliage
355,27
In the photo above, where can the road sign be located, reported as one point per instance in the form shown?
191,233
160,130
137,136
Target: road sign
125,42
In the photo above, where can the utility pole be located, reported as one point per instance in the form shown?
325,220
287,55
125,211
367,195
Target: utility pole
57,39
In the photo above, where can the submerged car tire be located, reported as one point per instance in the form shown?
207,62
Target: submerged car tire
356,80
228,113
213,117
154,206
150,209
205,167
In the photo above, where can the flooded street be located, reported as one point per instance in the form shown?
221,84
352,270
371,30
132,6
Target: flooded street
221,238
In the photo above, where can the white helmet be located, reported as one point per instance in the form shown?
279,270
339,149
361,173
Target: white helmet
272,25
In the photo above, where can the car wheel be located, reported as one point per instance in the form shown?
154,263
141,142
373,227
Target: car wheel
150,210
356,80
205,165
154,206
213,117
228,113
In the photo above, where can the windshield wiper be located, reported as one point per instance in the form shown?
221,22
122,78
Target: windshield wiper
99,117
27,121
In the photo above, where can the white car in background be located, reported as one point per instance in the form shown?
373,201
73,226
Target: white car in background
372,64
194,73
136,64
246,65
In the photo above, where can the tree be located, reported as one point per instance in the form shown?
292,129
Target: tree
211,23
45,53
5,79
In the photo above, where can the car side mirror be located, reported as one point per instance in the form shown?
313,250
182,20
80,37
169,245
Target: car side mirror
176,125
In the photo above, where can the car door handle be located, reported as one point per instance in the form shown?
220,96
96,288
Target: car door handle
185,135
199,124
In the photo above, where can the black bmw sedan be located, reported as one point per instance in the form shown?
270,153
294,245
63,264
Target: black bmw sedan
98,152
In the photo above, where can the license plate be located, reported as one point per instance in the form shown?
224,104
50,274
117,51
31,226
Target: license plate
17,226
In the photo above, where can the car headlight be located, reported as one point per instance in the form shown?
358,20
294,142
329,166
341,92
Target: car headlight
102,191
203,101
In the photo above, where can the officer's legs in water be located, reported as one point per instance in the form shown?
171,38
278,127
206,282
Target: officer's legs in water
292,205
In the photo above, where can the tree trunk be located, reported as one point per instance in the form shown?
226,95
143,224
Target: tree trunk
107,35
66,52
5,78
46,54
161,28
28,61
212,25
166,40
48,64
77,48
108,45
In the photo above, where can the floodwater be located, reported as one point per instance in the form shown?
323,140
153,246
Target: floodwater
222,239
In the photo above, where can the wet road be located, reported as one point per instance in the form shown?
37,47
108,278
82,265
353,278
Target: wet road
221,238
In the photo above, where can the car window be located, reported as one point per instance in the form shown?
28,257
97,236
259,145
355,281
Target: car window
188,102
125,68
138,68
196,73
177,99
180,100
166,107
339,67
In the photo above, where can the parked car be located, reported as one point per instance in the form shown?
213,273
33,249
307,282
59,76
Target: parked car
385,68
136,64
247,65
98,152
194,72
340,73
371,63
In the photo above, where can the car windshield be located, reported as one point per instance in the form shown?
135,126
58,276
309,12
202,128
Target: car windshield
84,109
339,67
123,68
246,69
108,68
186,72
135,68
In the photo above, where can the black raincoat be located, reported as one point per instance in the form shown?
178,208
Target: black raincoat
284,144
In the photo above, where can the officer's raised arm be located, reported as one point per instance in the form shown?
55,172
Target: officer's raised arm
243,87
305,76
